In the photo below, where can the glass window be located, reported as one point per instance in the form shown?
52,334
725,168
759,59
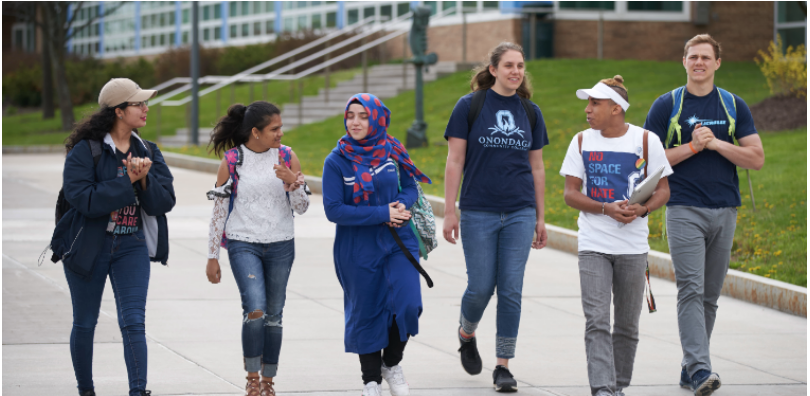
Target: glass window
302,22
185,16
144,42
245,8
288,24
257,7
185,38
171,18
232,6
790,11
162,39
233,31
490,5
257,28
446,5
206,34
655,6
206,13
792,37
153,41
245,30
314,3
217,11
368,12
316,21
470,6
269,26
163,19
155,22
353,16
331,19
217,33
301,4
269,6
403,8
287,5
144,22
171,38
587,5
432,5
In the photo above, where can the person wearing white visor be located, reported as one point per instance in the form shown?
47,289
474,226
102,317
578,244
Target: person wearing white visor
601,168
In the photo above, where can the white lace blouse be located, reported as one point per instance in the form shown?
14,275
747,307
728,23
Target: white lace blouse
262,213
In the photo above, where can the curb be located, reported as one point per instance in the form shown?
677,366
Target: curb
755,289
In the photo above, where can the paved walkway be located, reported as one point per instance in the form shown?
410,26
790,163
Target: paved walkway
193,327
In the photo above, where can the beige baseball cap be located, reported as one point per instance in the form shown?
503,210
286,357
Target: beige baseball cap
120,90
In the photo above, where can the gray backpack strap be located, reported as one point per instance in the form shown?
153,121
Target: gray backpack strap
95,149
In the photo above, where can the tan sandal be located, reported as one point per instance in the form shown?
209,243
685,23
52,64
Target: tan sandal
267,388
253,387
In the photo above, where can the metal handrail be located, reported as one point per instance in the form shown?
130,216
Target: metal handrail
272,75
261,66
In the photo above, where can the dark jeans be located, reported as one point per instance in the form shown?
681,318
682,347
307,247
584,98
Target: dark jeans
261,271
371,363
125,259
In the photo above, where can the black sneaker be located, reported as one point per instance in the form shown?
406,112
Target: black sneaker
470,359
705,382
685,381
503,380
88,393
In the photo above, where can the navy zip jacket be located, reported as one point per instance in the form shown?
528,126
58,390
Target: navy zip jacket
95,191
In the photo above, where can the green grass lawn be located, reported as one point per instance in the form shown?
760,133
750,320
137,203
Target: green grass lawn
31,129
771,242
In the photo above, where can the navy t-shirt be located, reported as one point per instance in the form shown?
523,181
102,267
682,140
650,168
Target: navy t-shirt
707,179
497,173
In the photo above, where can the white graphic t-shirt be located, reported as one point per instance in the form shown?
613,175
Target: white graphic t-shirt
610,168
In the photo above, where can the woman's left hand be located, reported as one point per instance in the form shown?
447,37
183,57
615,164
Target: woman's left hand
542,236
283,172
299,181
401,207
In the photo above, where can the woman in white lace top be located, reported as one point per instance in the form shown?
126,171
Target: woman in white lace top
259,185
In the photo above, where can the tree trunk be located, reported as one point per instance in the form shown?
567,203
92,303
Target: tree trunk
54,19
47,82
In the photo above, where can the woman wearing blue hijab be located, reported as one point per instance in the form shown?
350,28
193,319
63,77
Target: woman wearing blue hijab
369,181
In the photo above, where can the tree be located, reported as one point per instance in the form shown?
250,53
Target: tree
55,19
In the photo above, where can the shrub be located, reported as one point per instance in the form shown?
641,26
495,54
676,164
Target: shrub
23,87
786,73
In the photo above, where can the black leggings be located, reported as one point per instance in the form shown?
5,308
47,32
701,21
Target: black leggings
371,363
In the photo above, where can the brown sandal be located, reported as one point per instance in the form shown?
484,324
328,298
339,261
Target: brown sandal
253,387
267,388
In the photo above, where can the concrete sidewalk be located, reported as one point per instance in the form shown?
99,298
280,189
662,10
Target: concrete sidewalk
193,327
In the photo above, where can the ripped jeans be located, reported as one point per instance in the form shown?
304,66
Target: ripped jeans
261,271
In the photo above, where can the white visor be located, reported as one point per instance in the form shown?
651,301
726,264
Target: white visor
602,91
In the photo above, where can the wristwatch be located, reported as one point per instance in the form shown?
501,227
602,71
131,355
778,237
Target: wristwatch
646,213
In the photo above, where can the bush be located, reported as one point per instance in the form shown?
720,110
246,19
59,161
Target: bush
23,88
786,73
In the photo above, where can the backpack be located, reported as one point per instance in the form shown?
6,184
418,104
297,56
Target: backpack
62,205
478,103
423,222
726,100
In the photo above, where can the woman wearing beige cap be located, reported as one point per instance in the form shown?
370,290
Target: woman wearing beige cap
117,191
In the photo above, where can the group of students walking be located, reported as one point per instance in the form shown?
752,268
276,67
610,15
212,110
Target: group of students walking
121,189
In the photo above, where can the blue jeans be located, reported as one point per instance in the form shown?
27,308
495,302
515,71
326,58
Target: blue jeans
496,248
261,271
125,259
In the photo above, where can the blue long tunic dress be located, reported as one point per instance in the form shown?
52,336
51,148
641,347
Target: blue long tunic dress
379,283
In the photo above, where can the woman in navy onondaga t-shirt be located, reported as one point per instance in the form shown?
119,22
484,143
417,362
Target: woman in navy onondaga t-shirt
501,200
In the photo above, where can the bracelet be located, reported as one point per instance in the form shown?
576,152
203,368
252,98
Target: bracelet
603,208
647,209
692,148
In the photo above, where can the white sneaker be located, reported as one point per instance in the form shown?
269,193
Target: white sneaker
372,389
396,380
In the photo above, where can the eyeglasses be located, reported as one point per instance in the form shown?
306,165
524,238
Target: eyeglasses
142,105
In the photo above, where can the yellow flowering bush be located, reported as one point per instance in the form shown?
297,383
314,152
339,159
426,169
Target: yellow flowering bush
786,73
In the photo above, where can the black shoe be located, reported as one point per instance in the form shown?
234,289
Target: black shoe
146,393
470,359
88,393
503,380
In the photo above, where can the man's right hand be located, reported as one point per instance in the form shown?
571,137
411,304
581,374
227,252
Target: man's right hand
620,212
701,136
